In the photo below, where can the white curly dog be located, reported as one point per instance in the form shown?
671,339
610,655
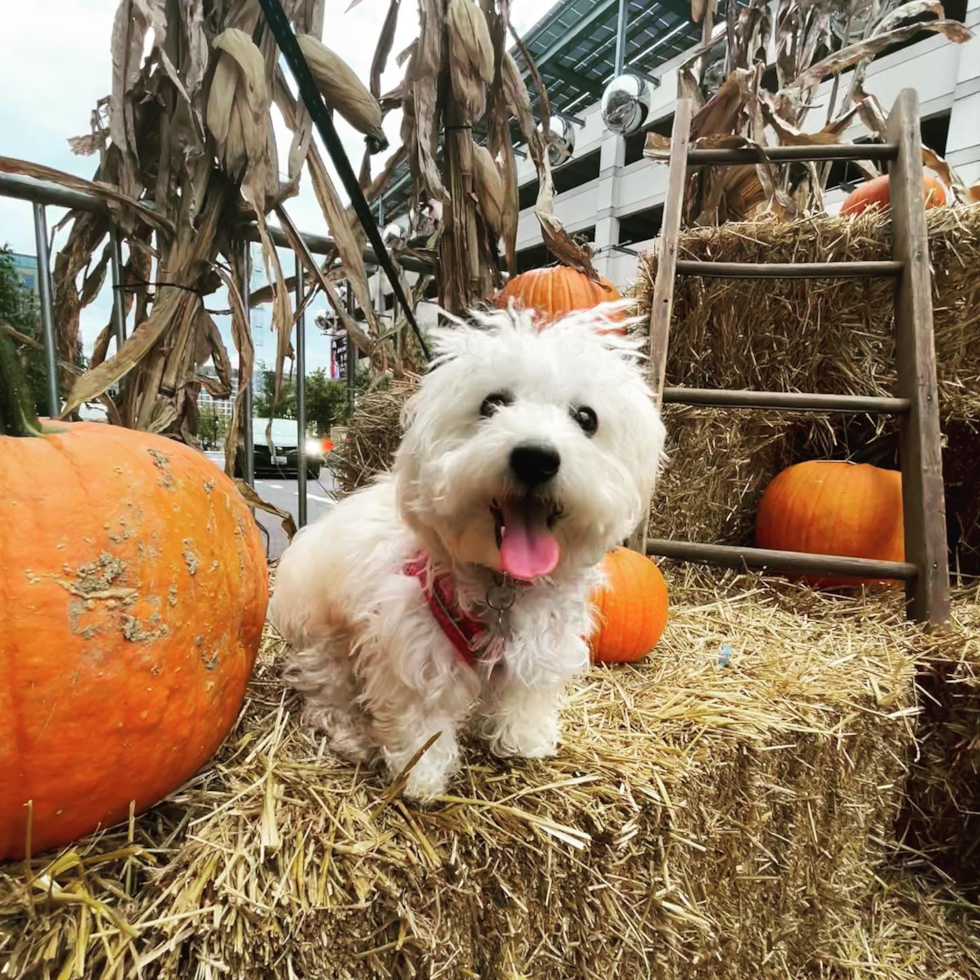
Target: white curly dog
454,591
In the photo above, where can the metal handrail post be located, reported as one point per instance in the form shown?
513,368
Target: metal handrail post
300,394
47,314
248,468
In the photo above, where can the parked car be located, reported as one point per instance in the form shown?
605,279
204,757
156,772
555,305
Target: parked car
284,459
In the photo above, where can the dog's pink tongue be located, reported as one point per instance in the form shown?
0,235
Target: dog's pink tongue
528,548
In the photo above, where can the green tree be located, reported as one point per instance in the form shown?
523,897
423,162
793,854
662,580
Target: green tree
211,426
19,309
326,399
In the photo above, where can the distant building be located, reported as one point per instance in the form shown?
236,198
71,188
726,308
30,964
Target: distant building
25,267
222,406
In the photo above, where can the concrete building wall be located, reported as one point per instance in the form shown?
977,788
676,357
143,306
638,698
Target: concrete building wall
946,76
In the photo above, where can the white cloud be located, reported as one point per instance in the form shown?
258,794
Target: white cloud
54,54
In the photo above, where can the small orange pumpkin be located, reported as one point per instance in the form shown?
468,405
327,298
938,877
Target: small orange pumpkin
135,590
558,290
877,193
834,508
631,609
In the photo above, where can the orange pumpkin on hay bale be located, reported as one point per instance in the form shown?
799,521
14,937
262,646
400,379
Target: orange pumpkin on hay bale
877,193
852,510
558,290
631,609
135,591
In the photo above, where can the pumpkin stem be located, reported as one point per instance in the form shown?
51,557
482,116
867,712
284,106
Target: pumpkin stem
17,415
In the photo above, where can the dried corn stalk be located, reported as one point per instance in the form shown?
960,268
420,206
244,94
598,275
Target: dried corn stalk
462,88
736,109
186,153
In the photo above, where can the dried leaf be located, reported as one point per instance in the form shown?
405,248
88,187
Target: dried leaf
931,159
12,165
656,147
383,50
86,146
241,334
94,382
354,330
719,113
909,11
869,47
254,500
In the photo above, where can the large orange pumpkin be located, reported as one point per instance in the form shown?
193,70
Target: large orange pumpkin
558,290
133,598
631,609
877,192
834,508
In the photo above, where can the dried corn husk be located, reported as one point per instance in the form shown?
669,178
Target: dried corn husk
238,102
742,108
489,188
344,91
470,55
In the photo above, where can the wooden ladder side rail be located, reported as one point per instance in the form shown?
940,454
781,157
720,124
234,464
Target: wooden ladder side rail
663,290
741,557
926,570
920,435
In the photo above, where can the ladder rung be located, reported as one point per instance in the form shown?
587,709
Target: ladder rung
788,400
731,556
782,154
788,270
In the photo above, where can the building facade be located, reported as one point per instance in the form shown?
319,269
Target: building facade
25,266
610,194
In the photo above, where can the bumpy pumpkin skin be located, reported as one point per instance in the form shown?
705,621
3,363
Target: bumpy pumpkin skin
133,590
834,508
631,610
555,291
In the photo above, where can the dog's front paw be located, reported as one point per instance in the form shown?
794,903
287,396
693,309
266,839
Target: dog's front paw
430,775
530,738
425,783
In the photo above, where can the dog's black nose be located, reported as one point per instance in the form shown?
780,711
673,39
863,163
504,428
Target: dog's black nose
534,462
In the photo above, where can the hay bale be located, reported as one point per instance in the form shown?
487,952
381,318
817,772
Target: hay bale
823,335
942,813
700,820
719,462
372,436
912,926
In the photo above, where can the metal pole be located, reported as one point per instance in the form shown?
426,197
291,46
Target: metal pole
621,19
300,393
118,306
381,286
44,192
248,471
351,357
47,316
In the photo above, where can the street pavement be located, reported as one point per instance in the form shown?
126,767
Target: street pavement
284,493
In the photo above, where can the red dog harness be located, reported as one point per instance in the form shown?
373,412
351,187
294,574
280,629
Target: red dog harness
462,630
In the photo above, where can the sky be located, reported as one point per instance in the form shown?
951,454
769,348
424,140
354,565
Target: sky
55,66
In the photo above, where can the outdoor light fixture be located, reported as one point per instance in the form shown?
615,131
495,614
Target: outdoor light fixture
561,145
627,103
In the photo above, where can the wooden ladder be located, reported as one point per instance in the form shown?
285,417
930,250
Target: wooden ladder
925,570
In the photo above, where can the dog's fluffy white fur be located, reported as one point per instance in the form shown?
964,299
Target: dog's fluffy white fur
379,675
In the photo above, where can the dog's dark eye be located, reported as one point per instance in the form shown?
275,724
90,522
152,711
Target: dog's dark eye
492,402
586,418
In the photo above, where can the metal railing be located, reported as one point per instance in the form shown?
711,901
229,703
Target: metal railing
42,193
